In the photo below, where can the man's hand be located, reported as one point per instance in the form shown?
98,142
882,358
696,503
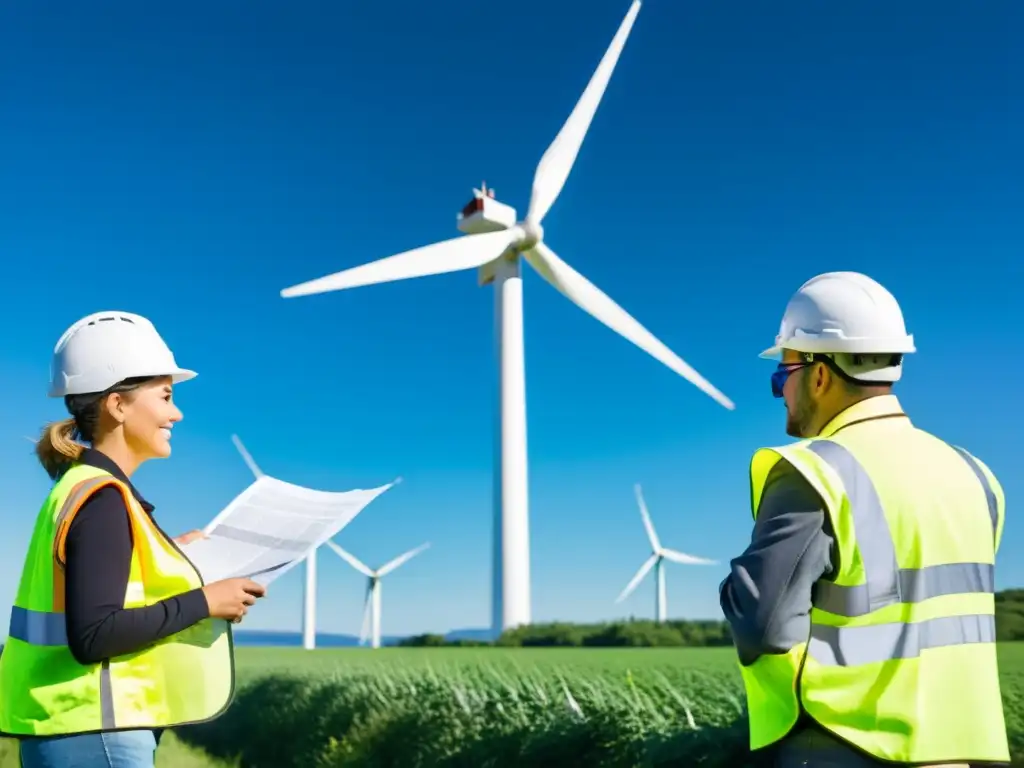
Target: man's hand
188,538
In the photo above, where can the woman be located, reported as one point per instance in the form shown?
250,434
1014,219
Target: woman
113,635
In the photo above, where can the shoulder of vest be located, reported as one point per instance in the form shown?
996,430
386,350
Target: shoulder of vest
81,480
988,475
804,459
960,449
71,492
79,473
781,450
799,454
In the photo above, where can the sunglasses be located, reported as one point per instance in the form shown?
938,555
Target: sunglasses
782,374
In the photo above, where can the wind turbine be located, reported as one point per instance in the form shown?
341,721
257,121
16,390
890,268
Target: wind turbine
371,607
309,591
658,555
495,244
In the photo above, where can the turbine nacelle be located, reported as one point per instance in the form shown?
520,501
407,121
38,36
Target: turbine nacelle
485,214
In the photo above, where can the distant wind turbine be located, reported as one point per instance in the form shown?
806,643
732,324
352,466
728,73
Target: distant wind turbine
658,554
372,605
309,592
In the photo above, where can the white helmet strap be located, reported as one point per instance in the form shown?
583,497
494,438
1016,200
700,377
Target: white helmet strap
856,368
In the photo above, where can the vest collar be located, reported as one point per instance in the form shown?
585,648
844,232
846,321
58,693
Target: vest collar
100,460
878,407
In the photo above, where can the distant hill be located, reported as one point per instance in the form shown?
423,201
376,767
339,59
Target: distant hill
274,639
483,635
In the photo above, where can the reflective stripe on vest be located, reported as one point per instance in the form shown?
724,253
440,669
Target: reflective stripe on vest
885,583
38,627
990,495
854,646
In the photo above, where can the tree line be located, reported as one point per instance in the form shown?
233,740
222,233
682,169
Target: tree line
644,633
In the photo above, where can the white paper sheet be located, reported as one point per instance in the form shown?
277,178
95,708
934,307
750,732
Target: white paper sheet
272,526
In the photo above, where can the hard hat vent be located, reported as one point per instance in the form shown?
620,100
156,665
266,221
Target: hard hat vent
122,318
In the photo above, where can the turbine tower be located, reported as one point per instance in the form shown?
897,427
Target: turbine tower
309,591
372,605
658,555
495,243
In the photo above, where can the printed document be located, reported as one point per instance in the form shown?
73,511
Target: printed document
272,526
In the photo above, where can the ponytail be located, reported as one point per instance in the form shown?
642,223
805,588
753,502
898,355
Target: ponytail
57,448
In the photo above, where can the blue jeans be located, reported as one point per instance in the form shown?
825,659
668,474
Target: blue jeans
116,749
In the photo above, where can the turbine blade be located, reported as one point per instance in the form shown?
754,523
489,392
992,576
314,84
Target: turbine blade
651,533
590,298
364,631
557,161
637,578
685,559
389,567
253,467
463,252
350,559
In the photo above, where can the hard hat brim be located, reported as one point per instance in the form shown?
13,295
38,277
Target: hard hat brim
904,346
182,374
178,375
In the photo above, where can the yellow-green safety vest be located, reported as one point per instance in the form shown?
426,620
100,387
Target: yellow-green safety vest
901,657
185,678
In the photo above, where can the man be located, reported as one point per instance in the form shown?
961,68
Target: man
863,609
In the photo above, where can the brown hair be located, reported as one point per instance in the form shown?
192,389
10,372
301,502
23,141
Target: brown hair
60,443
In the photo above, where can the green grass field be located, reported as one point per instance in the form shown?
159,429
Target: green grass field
485,706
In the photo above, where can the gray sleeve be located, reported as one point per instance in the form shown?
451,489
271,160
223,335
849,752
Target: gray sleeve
766,598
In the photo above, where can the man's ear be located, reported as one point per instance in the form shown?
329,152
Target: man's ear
823,377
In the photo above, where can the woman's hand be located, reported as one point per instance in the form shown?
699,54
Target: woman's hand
231,599
188,538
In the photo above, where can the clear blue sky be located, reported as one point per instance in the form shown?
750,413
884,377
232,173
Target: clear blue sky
189,162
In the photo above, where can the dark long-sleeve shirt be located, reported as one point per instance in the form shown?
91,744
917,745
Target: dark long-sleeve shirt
98,554
766,598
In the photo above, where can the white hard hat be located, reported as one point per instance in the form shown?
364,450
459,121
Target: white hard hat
850,317
108,347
